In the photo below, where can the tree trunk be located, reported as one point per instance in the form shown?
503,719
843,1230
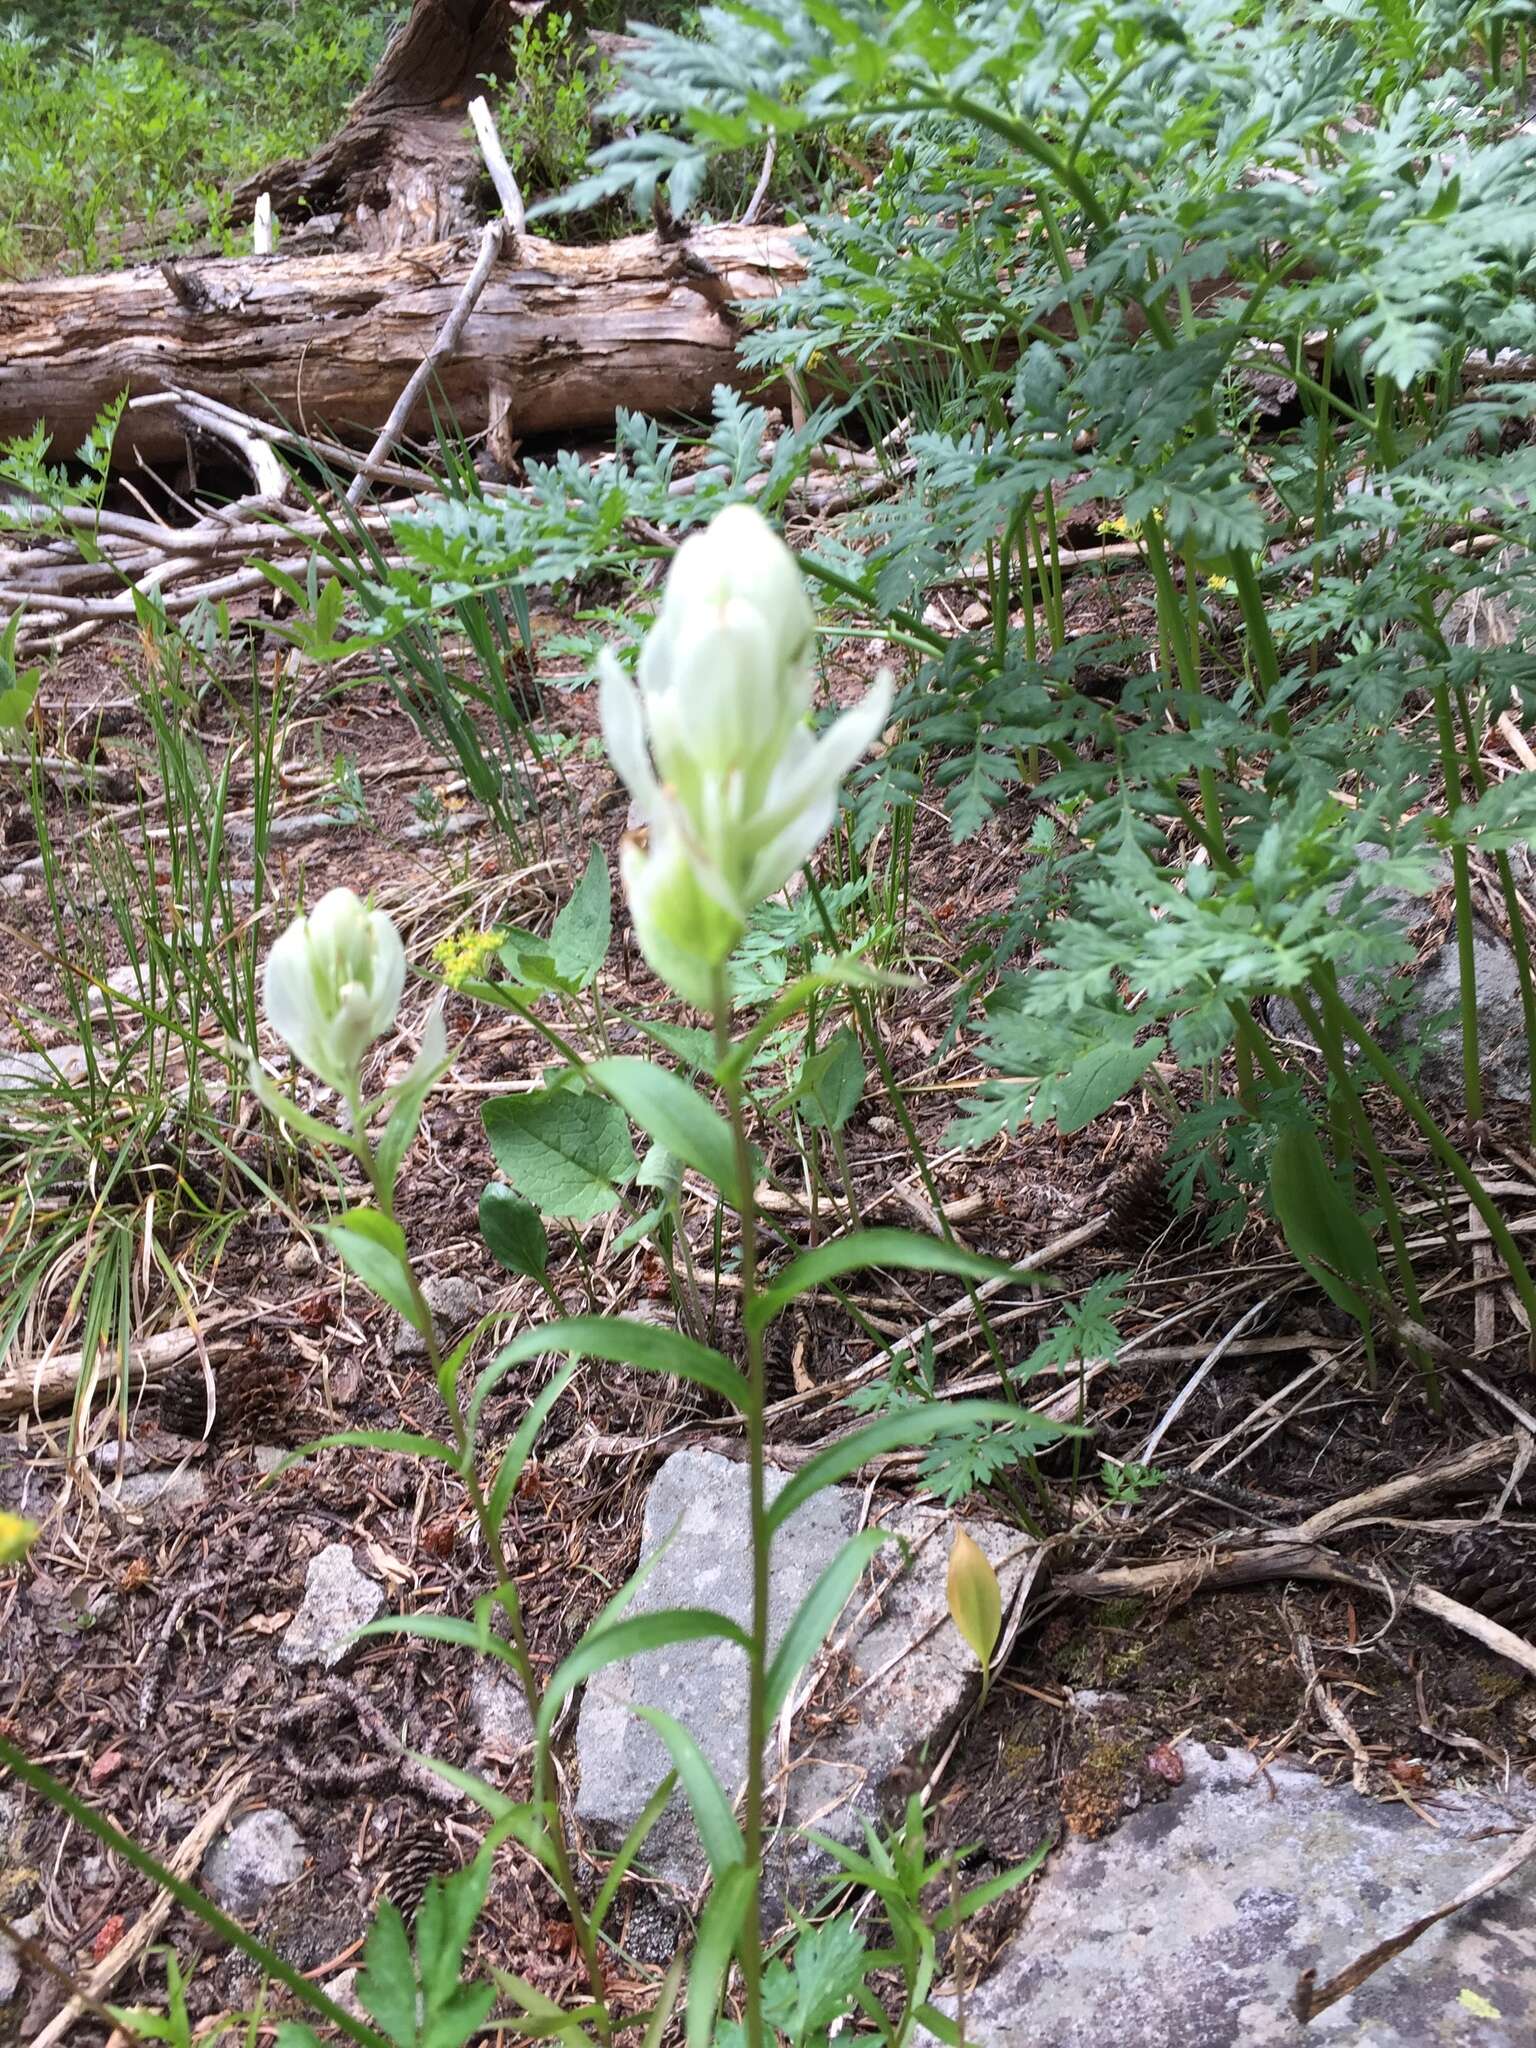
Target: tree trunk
403,168
565,335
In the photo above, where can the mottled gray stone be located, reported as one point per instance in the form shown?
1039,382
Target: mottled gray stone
454,1302
338,1599
499,1709
30,1926
1190,1925
27,1071
1415,1005
911,1673
256,1857
157,1495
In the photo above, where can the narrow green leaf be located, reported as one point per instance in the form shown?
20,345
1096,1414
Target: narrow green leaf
515,1457
982,1895
907,1250
630,1848
630,1638
817,1615
712,1813
404,1441
410,1097
676,1116
617,1341
1320,1224
373,1247
720,1928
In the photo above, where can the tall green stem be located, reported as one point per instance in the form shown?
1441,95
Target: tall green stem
1393,1078
750,1951
490,1530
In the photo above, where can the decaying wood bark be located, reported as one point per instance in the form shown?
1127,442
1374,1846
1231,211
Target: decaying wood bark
327,342
403,168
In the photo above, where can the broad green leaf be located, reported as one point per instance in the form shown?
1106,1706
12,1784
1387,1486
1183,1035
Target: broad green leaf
513,1231
1321,1226
17,699
515,1457
817,1614
676,1116
386,1983
568,1153
898,1432
630,1638
616,1341
1093,1084
711,1809
906,1250
373,1247
578,939
720,1928
831,1082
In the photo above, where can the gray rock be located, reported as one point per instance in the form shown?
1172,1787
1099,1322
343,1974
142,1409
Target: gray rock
131,981
1501,1041
913,1672
1190,1926
454,1302
499,1709
30,1926
158,1495
1415,1005
338,1599
26,1071
256,1857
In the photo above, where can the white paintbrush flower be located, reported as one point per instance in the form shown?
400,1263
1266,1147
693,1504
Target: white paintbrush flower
733,790
333,984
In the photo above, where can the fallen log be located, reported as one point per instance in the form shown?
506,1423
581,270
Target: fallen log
570,334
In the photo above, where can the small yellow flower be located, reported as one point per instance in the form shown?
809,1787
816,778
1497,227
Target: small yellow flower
464,956
1120,525
16,1535
1218,583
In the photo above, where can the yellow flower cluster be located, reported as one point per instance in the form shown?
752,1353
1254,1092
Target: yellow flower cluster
464,956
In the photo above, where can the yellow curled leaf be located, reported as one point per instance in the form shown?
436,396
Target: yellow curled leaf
17,1535
975,1599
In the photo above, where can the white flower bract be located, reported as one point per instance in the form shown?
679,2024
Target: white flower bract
333,983
733,790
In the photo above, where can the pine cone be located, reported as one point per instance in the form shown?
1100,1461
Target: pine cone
257,1400
1141,1209
1493,1570
411,1862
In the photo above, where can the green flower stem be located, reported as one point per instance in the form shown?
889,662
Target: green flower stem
750,1949
1392,1077
1323,1024
1518,938
1461,876
188,1896
490,1531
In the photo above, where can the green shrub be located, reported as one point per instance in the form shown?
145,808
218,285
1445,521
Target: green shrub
100,141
